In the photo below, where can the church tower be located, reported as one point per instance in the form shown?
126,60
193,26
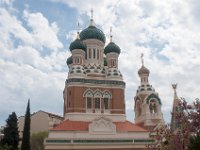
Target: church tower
94,101
94,86
147,102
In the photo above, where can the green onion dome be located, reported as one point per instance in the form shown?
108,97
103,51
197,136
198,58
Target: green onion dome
112,47
77,44
92,32
69,60
143,70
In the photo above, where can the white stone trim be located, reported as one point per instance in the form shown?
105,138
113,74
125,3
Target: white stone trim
102,125
90,85
91,116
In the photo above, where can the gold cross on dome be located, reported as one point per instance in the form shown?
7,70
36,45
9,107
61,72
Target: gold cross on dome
78,26
110,34
91,13
142,60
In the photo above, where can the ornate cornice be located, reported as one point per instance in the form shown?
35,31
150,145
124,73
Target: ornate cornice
93,81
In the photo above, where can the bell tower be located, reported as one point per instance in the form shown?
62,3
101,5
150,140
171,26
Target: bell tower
94,86
147,102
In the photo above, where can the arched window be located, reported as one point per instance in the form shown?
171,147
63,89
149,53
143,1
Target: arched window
113,63
152,106
97,101
89,97
106,101
89,102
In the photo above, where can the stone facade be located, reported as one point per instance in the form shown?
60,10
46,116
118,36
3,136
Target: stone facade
40,121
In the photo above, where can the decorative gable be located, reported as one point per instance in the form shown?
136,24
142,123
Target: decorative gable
102,125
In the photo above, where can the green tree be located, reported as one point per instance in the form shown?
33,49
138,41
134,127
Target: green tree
26,133
37,140
11,135
5,147
194,142
187,136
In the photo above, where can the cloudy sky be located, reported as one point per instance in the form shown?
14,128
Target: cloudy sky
35,38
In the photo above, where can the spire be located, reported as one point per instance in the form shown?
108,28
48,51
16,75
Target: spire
110,34
174,86
91,19
78,28
174,122
92,13
142,60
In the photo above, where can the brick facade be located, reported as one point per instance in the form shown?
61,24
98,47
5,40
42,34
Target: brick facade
76,102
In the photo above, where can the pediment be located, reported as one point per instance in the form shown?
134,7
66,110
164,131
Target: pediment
102,125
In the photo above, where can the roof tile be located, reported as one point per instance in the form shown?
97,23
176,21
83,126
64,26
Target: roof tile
69,125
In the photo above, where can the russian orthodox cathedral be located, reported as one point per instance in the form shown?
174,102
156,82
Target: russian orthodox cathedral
94,100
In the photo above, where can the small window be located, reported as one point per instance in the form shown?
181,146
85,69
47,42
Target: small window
106,103
90,51
153,107
76,60
94,53
86,55
113,63
98,53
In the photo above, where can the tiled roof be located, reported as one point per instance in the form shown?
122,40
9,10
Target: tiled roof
128,126
69,125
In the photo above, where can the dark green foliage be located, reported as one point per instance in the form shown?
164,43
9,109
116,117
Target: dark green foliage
26,133
194,142
37,140
11,136
5,147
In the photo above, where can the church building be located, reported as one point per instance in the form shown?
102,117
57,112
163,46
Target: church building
94,100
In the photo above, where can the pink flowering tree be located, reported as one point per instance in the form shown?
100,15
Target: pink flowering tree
187,134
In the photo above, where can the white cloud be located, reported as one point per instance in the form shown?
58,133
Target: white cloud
43,33
20,82
167,32
171,25
25,72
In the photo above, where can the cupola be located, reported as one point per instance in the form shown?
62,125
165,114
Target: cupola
69,60
77,44
112,47
92,32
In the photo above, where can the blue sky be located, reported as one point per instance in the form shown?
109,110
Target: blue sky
35,36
